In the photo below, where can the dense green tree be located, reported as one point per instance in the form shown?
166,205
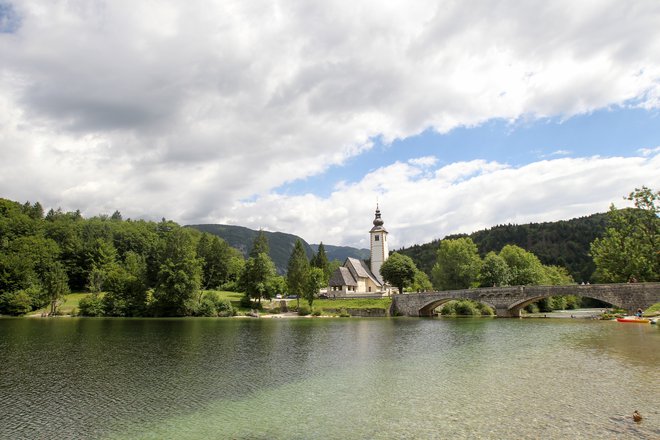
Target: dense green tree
313,283
260,245
494,271
562,243
18,302
555,276
180,274
277,286
457,264
126,288
297,270
421,282
526,269
56,286
398,270
320,260
217,266
256,276
630,247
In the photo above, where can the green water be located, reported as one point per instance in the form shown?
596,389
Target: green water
327,378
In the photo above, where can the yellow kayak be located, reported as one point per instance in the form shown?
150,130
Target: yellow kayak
634,319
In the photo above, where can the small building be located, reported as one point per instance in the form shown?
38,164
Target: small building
355,277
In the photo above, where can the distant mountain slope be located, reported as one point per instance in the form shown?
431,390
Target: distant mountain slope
342,252
563,243
241,238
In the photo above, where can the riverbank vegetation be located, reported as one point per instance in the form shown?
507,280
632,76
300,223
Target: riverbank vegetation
143,268
466,307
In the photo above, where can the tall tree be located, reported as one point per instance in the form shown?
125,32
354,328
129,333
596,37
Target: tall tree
526,268
256,276
260,244
313,283
297,270
179,277
494,271
398,270
421,282
630,248
320,260
56,286
457,264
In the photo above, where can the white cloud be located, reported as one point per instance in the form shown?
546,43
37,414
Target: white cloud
425,161
459,198
179,109
649,151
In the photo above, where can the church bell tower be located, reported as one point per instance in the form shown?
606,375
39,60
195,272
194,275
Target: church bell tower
379,249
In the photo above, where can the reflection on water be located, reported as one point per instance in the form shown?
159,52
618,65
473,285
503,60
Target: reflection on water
327,378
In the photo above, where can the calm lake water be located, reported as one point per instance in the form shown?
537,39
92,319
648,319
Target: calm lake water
327,378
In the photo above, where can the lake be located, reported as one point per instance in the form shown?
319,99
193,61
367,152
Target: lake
327,378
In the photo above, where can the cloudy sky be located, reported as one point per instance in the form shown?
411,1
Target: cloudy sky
299,116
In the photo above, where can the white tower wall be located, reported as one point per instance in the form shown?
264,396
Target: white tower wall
379,246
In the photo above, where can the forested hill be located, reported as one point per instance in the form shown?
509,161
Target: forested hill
241,238
280,243
564,243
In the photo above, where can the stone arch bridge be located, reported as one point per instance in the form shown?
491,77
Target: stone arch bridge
508,301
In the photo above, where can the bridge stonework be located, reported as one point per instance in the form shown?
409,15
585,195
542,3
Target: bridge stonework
508,301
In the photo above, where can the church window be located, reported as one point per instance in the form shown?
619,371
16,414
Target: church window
377,237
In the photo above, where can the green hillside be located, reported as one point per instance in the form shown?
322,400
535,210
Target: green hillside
563,243
241,238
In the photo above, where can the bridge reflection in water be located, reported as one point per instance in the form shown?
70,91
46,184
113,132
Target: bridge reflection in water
508,301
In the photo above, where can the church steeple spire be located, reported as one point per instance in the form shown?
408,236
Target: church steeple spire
379,248
378,221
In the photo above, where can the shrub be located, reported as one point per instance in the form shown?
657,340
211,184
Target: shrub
466,308
573,302
206,307
91,305
486,310
275,310
559,303
304,310
16,303
545,305
246,302
448,309
343,313
532,308
317,311
655,308
224,308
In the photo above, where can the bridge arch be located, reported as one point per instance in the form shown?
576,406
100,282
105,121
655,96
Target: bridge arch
516,307
507,301
428,308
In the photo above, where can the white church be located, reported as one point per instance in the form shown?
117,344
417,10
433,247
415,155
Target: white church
355,277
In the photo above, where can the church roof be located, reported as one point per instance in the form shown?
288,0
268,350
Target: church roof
360,269
342,277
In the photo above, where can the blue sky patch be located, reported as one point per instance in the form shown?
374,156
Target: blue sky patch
9,19
620,131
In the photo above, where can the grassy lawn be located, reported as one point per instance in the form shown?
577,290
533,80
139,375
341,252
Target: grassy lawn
653,310
336,304
70,302
349,303
233,297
